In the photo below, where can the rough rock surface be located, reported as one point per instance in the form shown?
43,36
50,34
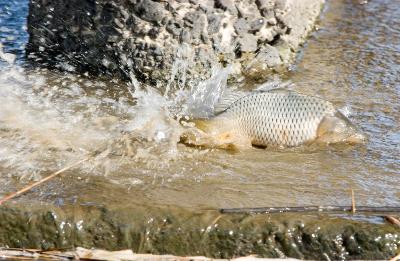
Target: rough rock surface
145,37
146,229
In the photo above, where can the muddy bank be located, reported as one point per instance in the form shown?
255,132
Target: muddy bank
145,37
178,231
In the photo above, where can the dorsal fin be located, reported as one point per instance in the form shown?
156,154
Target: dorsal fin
274,85
226,100
230,96
277,90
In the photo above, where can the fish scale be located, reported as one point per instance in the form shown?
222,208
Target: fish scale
279,118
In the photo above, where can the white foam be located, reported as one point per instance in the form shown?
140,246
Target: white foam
7,57
50,119
346,111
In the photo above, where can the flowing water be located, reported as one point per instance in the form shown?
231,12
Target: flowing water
51,119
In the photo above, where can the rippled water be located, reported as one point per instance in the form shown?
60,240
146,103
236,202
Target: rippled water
51,119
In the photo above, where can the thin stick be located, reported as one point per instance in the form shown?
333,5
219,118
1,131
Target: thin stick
395,258
310,209
353,202
392,220
212,223
19,192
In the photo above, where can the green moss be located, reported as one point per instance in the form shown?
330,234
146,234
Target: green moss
182,232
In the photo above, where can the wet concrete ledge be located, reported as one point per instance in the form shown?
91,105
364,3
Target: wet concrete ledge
209,233
144,37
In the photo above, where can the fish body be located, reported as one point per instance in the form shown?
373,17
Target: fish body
278,118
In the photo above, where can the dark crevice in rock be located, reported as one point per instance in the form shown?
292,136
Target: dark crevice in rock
275,40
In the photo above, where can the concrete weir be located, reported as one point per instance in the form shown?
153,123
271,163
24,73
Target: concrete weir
177,231
145,37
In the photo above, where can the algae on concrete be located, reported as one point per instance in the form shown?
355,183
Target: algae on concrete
178,231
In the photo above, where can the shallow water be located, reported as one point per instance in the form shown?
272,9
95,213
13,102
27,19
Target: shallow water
51,119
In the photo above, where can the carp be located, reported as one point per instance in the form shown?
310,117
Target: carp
272,118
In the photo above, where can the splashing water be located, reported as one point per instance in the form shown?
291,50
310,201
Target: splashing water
49,119
7,57
203,97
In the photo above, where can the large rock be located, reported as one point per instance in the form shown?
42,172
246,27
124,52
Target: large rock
145,37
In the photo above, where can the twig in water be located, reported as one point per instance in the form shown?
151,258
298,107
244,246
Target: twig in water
310,209
353,202
19,192
392,220
212,224
396,258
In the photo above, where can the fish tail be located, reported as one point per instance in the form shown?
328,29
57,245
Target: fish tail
203,124
206,124
215,133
